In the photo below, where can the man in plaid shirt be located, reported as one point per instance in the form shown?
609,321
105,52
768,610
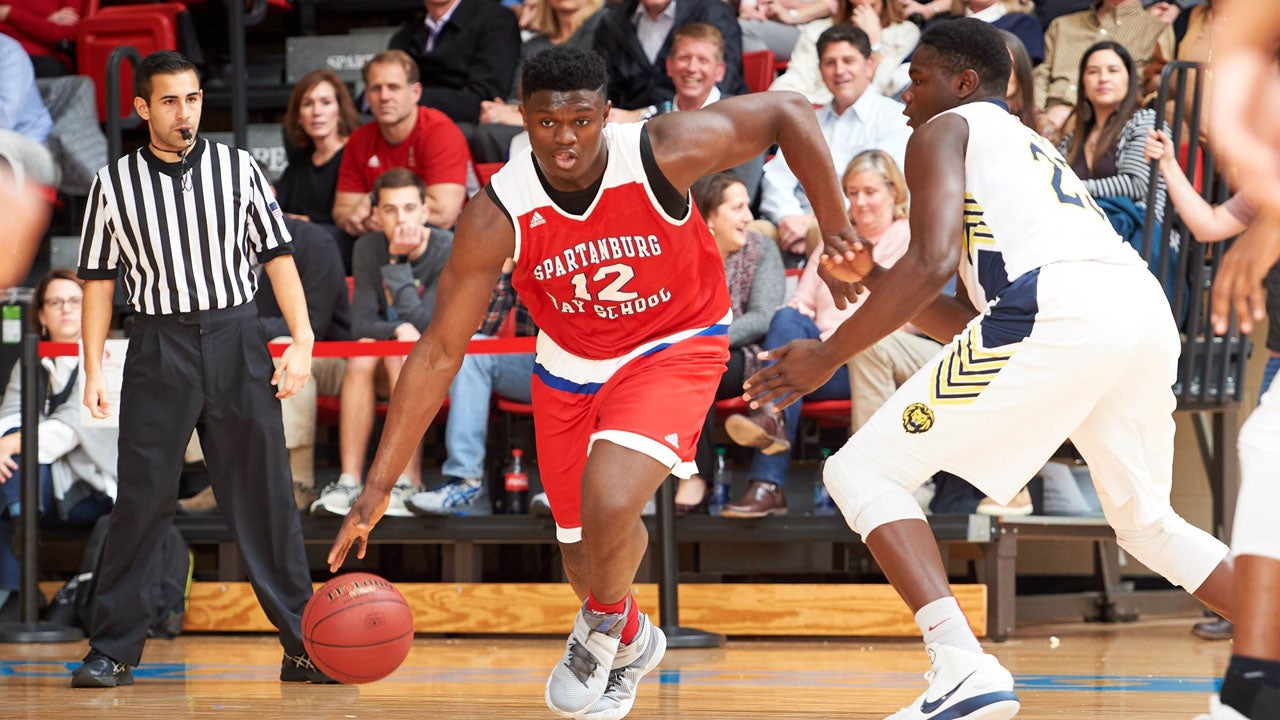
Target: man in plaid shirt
464,491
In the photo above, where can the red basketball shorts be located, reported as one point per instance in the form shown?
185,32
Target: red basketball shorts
653,403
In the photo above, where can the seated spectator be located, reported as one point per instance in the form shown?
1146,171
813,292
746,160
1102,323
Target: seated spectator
877,194
465,488
890,39
47,31
465,51
324,286
555,22
857,118
1106,146
1020,95
319,120
635,38
1120,21
76,464
1011,16
775,25
21,109
404,135
757,282
396,274
695,65
1193,46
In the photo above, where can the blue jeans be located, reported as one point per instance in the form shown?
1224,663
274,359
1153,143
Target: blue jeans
1268,375
789,324
467,428
85,513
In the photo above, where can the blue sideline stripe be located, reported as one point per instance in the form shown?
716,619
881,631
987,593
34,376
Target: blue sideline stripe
11,669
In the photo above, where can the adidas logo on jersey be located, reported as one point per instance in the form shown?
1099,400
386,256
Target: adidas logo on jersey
673,439
374,161
536,220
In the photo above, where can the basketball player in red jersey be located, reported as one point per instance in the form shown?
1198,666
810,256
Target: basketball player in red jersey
625,282
1245,101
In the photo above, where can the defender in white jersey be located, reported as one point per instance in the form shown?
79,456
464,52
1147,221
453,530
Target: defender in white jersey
1066,334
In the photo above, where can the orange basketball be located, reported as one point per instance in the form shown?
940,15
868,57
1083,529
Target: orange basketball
357,628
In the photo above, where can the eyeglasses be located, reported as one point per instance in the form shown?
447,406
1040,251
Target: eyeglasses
58,303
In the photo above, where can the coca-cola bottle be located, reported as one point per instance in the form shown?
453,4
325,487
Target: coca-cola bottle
515,482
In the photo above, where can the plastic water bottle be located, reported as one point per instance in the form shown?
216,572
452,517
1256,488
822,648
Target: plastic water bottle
721,485
515,483
822,503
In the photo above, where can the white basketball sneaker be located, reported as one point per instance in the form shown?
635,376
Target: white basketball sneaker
963,685
581,676
632,662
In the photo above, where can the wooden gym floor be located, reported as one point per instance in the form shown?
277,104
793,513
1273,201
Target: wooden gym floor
1152,669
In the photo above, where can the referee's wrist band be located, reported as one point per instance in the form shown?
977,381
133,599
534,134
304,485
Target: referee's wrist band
398,260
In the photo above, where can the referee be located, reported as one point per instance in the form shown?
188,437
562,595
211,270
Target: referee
183,221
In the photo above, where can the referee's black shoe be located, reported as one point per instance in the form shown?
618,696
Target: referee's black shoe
101,671
300,669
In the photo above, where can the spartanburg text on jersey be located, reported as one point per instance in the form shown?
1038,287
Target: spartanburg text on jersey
619,276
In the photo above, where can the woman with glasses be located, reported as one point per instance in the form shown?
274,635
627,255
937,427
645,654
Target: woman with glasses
76,464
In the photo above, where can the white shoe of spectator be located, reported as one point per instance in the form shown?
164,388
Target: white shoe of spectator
539,505
454,496
400,494
337,497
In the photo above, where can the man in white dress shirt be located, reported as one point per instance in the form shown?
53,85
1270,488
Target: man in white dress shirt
857,118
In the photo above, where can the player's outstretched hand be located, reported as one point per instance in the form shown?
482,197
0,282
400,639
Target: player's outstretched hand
802,366
1238,284
365,513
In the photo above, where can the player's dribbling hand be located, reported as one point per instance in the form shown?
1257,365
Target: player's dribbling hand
1238,284
802,366
356,526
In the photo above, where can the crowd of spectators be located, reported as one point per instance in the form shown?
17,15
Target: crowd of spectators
375,202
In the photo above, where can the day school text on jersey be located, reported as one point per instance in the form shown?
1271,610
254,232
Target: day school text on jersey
584,256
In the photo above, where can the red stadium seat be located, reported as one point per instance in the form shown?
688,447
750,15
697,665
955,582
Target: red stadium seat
147,28
485,171
759,68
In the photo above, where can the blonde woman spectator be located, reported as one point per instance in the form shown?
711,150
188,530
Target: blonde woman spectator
877,195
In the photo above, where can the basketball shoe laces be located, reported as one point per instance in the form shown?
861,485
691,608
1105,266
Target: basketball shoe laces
582,663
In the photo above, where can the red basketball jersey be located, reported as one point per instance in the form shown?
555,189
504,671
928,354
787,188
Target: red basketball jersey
622,275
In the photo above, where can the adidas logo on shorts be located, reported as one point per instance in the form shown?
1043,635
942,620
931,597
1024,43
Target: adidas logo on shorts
673,439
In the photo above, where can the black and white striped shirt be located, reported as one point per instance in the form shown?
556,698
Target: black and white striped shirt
182,246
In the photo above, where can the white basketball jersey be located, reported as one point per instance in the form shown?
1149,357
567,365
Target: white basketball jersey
1024,207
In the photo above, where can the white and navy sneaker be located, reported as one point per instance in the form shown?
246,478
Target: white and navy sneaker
454,496
582,675
963,685
401,492
337,497
632,662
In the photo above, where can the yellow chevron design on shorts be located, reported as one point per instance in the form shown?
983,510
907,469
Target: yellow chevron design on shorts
962,376
976,231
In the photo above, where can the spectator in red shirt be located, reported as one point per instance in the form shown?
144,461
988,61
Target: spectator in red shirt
41,26
403,134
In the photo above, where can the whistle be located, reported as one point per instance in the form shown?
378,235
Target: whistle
186,135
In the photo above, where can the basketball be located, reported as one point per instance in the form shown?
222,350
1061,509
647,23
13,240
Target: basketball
357,628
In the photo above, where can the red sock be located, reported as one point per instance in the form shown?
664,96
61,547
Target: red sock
632,623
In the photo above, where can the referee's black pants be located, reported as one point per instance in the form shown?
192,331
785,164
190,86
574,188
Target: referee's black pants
210,371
